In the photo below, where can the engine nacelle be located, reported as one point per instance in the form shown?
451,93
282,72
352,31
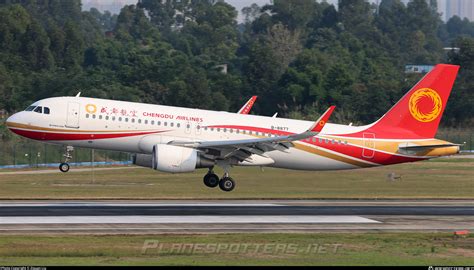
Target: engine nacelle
172,159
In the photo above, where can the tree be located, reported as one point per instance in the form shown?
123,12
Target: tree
73,46
284,45
251,13
36,47
293,14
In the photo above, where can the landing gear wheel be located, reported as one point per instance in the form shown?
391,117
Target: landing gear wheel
211,180
227,184
64,167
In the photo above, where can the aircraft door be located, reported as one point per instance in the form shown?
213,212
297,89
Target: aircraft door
369,145
72,118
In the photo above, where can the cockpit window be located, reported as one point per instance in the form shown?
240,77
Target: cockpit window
30,108
39,109
46,110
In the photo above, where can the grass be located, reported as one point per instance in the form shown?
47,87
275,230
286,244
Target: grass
352,249
431,179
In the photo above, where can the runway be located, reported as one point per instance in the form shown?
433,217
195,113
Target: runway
156,217
226,210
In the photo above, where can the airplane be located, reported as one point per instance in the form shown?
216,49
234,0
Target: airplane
180,140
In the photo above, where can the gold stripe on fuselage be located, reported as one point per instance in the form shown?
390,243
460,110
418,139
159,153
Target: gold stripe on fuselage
316,151
37,128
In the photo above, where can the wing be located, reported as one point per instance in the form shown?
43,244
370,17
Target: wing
247,106
243,149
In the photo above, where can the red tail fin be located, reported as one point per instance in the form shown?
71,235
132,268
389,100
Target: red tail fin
418,113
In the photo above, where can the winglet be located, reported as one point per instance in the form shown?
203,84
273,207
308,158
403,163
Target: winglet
319,124
247,106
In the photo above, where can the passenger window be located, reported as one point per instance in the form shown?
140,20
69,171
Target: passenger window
133,120
178,125
93,116
225,129
39,109
126,119
198,127
152,122
146,122
87,115
165,124
171,124
158,123
46,110
139,121
113,118
100,117
218,129
120,119
106,117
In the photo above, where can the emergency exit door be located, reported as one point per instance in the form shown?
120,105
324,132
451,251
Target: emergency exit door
72,119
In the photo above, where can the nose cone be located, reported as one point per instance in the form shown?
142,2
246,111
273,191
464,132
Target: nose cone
12,121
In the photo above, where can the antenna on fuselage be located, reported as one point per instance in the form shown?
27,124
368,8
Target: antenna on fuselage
78,94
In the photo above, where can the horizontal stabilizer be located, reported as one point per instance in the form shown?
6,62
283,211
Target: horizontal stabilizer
433,149
427,147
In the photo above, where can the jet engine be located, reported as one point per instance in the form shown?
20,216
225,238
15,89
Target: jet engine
173,159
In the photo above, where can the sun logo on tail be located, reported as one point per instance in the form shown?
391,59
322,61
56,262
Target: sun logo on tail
425,105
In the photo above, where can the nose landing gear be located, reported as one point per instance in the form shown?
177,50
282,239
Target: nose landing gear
64,167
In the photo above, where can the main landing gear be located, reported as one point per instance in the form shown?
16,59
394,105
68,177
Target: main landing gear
226,183
64,167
